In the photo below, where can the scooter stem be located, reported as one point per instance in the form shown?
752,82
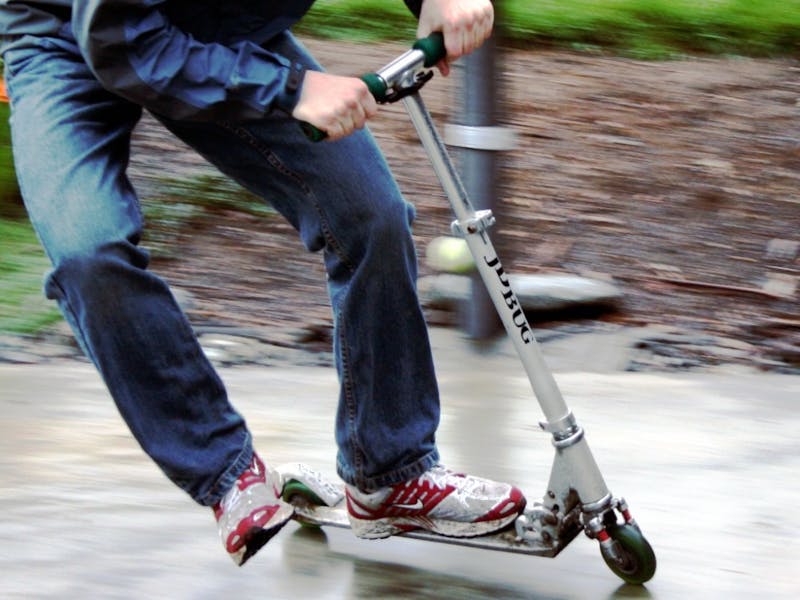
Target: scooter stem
574,468
472,226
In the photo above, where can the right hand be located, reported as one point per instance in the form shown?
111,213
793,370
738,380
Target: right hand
465,24
337,105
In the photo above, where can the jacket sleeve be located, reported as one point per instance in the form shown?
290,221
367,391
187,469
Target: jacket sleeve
414,6
136,52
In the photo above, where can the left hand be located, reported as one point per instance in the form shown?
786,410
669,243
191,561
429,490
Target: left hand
466,24
336,105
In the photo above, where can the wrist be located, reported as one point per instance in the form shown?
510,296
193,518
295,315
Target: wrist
289,96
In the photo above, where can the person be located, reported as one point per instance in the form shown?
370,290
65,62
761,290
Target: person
230,80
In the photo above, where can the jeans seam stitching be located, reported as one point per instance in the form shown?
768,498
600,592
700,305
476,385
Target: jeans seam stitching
347,389
273,159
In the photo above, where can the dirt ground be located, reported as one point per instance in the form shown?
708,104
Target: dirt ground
675,180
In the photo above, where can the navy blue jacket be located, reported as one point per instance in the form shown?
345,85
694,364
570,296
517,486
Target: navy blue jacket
184,59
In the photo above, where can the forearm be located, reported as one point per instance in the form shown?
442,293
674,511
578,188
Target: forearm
137,53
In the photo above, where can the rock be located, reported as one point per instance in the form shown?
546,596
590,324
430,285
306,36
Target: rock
559,292
536,293
781,285
247,348
782,249
444,291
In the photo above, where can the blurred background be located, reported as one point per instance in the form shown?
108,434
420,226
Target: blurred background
653,176
656,150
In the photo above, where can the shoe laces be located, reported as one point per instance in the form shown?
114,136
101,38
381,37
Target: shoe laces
442,478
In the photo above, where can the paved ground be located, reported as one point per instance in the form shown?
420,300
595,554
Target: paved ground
708,462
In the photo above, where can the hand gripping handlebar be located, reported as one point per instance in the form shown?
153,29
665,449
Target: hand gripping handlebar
402,76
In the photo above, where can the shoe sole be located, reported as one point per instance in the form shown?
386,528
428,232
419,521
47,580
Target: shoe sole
256,537
388,526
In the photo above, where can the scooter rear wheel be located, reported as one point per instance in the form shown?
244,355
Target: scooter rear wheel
638,561
295,492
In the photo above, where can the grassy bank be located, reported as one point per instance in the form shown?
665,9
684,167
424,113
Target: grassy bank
23,307
644,28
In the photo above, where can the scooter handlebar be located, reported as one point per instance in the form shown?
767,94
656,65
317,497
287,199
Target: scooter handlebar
432,49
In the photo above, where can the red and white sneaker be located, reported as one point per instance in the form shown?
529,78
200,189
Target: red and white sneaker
440,501
252,511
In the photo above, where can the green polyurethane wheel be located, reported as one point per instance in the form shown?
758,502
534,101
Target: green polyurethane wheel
293,488
295,492
638,563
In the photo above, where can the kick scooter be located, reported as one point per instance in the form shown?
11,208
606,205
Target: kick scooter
576,497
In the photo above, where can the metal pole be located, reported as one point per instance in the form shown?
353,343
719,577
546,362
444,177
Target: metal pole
479,138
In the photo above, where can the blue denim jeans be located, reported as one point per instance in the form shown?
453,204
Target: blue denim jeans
71,143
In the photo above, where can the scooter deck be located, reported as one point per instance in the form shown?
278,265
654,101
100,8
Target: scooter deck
310,513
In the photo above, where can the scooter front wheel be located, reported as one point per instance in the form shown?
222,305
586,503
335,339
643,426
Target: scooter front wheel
637,561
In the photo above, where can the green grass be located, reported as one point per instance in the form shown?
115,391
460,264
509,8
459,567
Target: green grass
202,196
644,28
184,205
361,20
23,307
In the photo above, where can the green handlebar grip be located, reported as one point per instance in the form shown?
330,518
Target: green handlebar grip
432,47
314,134
376,86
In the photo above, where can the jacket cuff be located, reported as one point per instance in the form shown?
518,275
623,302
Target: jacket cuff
287,99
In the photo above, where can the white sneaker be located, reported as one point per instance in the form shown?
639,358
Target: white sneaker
252,511
440,501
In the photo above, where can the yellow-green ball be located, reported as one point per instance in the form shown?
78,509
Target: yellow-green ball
450,255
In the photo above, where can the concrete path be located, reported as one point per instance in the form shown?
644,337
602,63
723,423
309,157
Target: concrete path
708,462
